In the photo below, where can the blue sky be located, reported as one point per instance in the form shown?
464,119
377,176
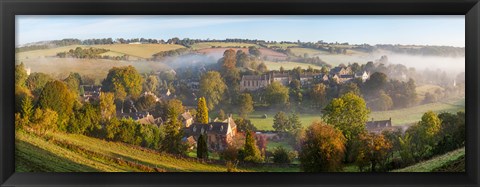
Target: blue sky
420,30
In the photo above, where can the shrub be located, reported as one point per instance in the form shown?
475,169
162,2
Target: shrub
281,155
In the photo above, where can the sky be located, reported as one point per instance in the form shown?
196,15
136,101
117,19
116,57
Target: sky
444,30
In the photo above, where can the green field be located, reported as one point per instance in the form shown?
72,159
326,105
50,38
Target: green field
94,68
439,162
135,50
60,152
404,116
288,65
413,114
139,50
206,45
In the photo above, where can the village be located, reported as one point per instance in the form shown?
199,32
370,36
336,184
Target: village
221,132
249,109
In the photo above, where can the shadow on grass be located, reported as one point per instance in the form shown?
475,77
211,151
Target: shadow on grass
30,158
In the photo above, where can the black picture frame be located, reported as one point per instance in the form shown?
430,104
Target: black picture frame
10,8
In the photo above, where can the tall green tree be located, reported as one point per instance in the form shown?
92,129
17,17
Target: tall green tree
276,94
349,114
57,97
36,81
73,81
319,95
123,82
251,152
151,83
173,129
202,111
107,105
27,108
280,122
212,88
202,149
20,75
246,105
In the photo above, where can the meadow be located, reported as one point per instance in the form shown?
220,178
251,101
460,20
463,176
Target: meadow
405,116
94,68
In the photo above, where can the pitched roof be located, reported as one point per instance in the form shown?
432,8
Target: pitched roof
211,128
379,124
254,77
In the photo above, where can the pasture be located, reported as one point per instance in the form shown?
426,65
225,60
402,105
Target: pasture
404,116
94,68
139,50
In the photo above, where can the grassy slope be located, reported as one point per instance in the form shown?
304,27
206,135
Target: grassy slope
97,68
36,152
399,117
413,114
139,50
77,153
439,163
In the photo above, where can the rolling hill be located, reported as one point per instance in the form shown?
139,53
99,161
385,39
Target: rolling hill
60,152
453,161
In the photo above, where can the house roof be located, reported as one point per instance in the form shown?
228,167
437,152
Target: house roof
254,77
211,128
378,124
346,76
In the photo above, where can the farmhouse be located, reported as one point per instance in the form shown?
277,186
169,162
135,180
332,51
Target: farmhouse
219,134
341,74
378,127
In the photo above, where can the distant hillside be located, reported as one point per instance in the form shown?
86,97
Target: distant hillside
449,162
